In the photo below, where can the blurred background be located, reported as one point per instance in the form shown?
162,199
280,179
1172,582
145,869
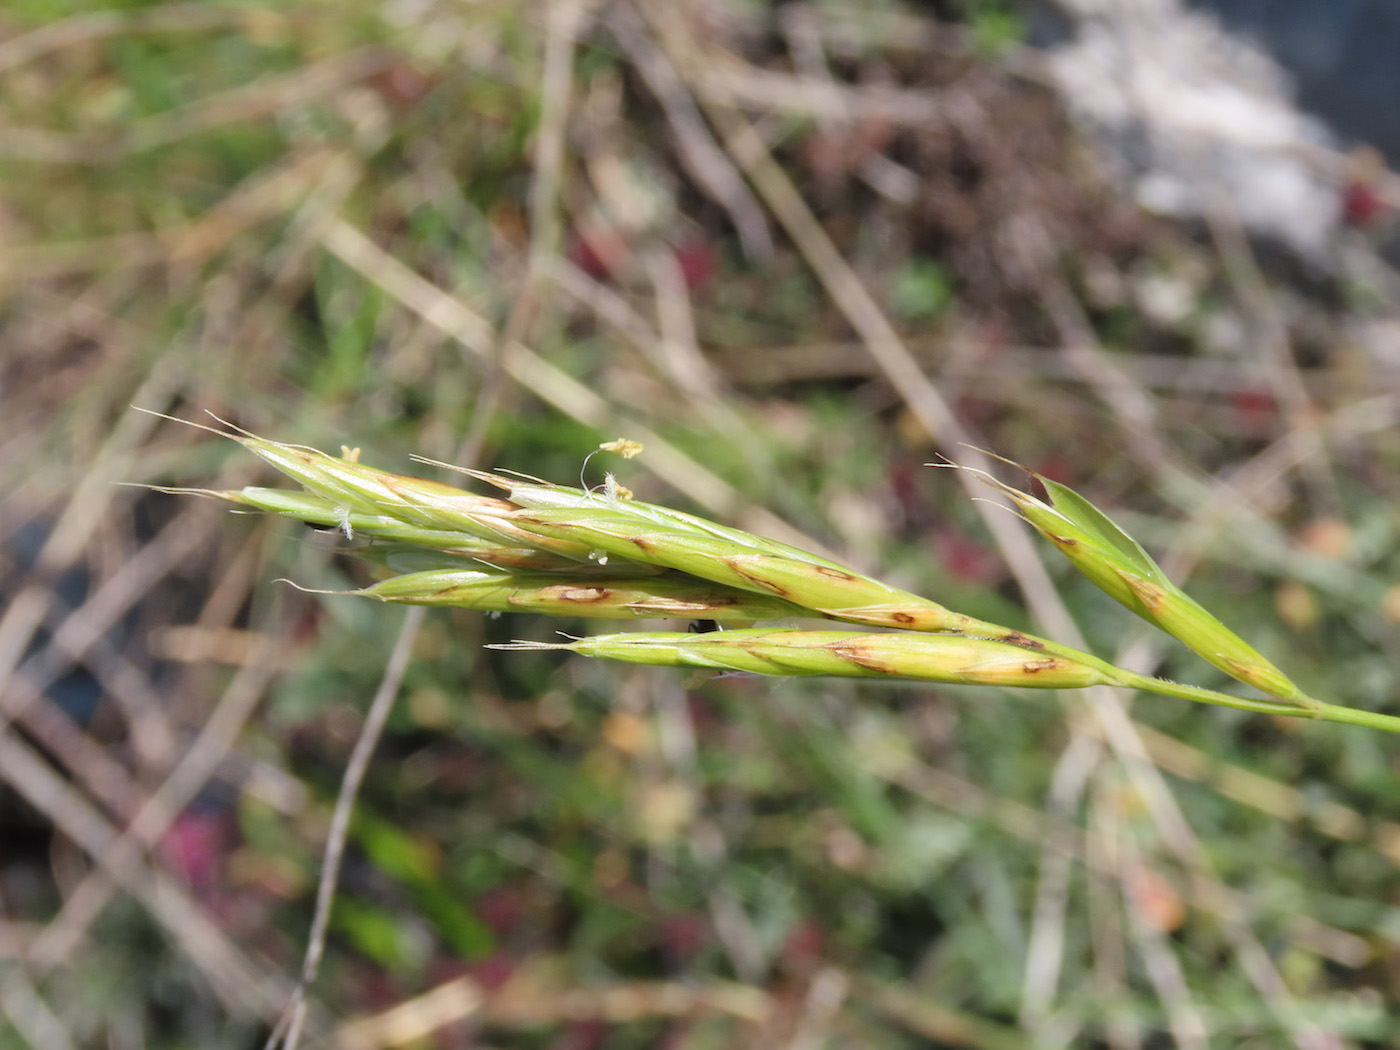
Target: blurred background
799,250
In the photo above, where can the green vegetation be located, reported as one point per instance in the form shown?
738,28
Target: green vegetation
798,256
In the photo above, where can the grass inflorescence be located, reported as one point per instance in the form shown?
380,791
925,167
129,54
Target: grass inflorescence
566,551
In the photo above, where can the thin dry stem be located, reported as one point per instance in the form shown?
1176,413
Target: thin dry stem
556,93
1158,955
294,1016
80,518
23,1007
706,162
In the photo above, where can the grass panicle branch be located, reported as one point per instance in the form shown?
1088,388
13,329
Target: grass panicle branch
655,535
562,594
925,657
1116,563
573,552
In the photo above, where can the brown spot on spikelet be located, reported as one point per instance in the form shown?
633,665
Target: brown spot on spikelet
1022,641
1036,666
642,544
860,656
737,565
903,617
1151,596
530,520
839,574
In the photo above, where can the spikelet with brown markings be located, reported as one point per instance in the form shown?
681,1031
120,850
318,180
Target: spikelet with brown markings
925,657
